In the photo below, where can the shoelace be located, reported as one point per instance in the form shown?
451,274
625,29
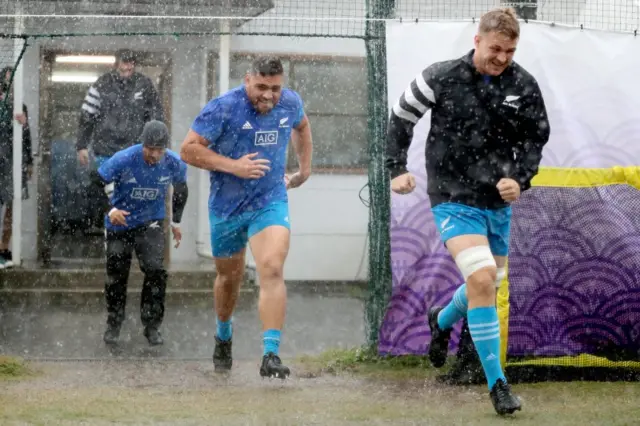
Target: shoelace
225,350
502,391
276,360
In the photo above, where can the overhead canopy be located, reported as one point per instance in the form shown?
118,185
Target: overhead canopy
79,16
142,7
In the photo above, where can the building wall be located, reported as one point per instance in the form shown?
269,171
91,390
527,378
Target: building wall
329,221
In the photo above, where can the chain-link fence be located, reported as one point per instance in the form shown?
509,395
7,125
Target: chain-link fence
619,15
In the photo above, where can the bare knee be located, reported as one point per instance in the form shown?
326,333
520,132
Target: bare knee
481,285
230,271
270,270
229,279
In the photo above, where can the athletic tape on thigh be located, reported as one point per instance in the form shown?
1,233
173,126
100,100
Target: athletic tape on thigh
473,259
500,274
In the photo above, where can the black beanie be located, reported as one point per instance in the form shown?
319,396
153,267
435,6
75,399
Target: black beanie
155,135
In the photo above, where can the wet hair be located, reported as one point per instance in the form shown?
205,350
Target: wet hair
155,135
126,56
267,66
502,20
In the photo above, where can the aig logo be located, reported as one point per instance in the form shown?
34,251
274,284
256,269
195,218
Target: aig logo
267,137
147,194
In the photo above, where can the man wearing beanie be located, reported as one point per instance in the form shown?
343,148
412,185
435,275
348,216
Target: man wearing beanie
141,176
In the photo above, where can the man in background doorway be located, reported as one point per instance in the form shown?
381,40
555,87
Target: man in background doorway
114,112
6,161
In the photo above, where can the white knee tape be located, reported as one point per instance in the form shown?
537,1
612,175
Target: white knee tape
473,259
501,273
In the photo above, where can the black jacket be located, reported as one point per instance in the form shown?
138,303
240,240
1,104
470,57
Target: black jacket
480,131
6,135
114,112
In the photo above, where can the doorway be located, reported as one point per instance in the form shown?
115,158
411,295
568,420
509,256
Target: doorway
65,236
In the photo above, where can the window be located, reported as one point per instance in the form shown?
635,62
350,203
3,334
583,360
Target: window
334,92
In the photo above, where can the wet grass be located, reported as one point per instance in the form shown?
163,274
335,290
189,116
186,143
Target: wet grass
342,387
12,368
365,362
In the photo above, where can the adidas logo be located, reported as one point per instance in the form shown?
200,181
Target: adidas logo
132,180
247,126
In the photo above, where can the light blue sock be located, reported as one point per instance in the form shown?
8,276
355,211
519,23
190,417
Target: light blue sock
224,329
455,310
271,341
485,333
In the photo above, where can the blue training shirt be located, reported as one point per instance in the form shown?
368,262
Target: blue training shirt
141,188
233,129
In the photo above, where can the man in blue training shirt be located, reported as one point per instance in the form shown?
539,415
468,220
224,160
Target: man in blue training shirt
141,175
241,137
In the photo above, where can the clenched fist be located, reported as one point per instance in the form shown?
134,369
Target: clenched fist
403,184
509,189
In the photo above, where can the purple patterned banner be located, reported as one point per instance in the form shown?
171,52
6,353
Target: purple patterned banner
574,273
424,274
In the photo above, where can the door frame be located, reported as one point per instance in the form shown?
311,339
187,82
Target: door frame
47,58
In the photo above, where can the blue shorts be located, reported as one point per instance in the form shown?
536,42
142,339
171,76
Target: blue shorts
230,235
454,219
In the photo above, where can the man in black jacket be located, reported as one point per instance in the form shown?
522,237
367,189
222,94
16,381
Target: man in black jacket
114,112
488,128
6,161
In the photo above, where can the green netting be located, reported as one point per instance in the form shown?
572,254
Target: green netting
324,18
379,212
33,21
611,15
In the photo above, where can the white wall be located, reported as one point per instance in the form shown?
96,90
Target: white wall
328,229
31,100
